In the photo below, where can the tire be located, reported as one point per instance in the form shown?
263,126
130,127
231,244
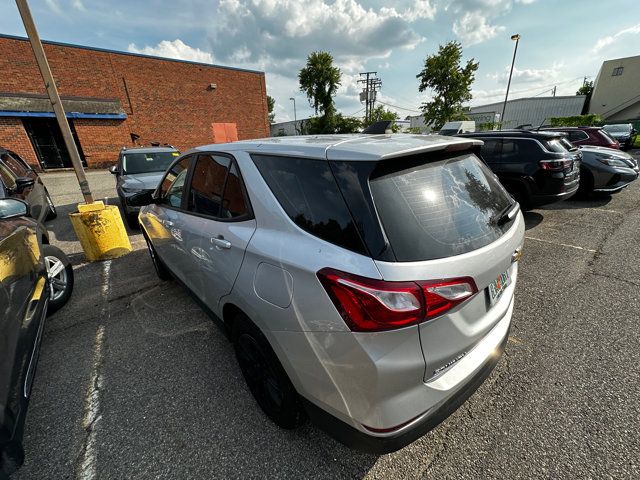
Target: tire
162,271
60,275
585,190
11,458
52,213
265,377
132,221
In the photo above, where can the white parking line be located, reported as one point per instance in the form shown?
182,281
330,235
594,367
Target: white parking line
87,468
561,244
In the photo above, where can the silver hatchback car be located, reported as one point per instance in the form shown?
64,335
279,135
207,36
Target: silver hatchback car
366,281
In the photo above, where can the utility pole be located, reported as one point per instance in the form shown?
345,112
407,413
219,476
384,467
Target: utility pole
371,85
554,91
54,97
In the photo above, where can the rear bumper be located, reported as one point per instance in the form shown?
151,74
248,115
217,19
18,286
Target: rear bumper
540,200
359,440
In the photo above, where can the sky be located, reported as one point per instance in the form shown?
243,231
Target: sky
561,41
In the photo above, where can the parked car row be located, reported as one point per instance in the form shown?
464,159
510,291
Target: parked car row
543,166
36,279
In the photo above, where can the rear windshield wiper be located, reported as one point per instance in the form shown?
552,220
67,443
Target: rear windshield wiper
507,214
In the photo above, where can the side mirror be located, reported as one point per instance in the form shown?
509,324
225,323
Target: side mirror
113,170
141,199
13,207
23,183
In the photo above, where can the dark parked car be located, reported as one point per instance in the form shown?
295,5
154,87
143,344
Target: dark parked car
603,169
624,133
19,180
534,167
35,278
579,136
138,173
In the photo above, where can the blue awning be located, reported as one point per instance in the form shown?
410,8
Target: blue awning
96,116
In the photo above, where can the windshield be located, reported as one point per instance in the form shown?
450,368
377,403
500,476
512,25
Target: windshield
147,162
617,128
448,132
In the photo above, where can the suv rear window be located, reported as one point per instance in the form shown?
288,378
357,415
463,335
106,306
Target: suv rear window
308,193
440,208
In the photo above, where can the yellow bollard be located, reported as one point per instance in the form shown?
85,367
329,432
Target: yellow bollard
100,230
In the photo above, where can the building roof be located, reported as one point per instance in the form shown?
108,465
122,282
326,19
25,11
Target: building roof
346,147
119,52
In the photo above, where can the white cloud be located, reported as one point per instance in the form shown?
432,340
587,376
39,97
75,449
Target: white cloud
53,6
476,24
606,41
174,49
528,75
473,28
78,5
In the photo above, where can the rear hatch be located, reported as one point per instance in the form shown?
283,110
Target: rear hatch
446,217
566,162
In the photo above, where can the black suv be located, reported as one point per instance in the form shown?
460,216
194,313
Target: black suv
534,167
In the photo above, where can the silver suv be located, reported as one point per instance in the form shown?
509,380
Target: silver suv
365,281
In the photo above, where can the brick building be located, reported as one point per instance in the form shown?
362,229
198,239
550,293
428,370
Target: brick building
116,99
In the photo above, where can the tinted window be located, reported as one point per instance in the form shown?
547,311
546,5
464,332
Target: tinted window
172,185
135,162
441,208
577,135
491,149
308,193
554,146
14,165
207,183
8,177
606,136
233,203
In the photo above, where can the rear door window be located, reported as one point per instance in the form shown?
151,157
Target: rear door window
436,209
207,184
308,193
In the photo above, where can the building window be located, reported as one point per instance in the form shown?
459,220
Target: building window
617,71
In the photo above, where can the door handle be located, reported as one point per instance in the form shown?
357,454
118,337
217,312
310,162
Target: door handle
221,243
167,223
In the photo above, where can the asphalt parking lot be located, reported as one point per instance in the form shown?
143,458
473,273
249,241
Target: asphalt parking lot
135,381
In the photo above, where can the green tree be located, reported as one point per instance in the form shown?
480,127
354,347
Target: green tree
450,82
336,123
319,81
586,89
380,113
271,103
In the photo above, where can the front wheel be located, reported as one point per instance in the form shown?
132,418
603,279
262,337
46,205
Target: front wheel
265,377
162,271
60,275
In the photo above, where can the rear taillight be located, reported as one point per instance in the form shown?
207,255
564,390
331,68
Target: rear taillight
555,165
369,305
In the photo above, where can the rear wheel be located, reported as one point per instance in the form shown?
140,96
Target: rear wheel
60,275
265,377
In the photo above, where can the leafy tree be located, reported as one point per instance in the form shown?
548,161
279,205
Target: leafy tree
586,89
336,123
271,103
380,113
577,121
451,83
319,81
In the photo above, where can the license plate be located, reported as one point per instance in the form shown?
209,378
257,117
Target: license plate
498,286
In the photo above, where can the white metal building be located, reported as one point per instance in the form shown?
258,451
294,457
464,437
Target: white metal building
521,111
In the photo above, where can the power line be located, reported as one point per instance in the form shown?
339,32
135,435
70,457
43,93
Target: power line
399,107
534,88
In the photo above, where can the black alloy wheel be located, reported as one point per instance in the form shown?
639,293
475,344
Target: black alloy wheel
265,377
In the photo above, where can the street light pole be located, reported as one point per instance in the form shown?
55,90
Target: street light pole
295,117
54,97
515,37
